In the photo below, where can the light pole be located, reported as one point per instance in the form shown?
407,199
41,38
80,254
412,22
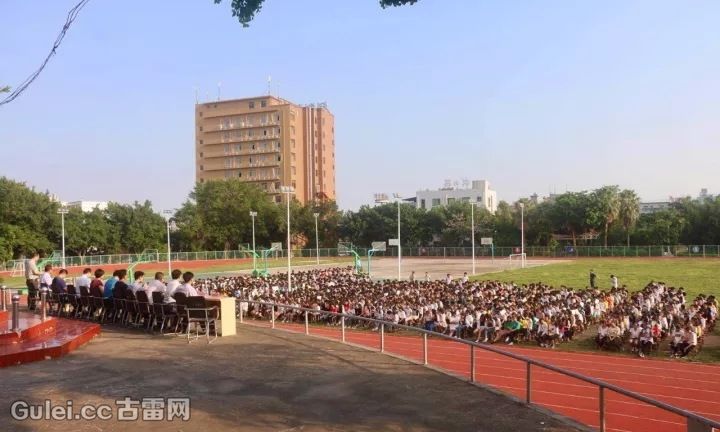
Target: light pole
472,236
168,217
317,239
522,235
63,211
252,216
398,198
288,190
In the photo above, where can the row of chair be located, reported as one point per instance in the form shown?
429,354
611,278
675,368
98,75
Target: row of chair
135,310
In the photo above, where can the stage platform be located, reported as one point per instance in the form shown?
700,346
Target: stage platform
41,340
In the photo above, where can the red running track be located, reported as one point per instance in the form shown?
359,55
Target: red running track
694,387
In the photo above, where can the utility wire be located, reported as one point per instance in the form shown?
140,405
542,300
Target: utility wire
72,14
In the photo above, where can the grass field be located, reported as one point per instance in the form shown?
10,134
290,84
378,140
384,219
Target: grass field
696,275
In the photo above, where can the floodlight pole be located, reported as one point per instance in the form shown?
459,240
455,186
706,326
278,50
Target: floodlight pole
472,236
252,215
317,239
288,191
522,235
167,220
63,211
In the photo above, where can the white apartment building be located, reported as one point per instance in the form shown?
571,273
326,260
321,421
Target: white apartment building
86,206
478,192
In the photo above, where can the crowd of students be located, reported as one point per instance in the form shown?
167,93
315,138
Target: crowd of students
486,311
644,319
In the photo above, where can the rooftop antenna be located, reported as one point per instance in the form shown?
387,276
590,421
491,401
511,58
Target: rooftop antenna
269,83
219,85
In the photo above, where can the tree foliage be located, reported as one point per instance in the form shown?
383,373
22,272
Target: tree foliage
245,10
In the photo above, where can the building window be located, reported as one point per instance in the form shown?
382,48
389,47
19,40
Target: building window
238,148
200,113
226,147
293,170
278,199
201,168
201,142
239,173
277,117
465,199
228,163
450,200
263,103
201,154
252,173
201,128
279,158
292,157
435,202
292,143
202,180
422,203
251,105
264,132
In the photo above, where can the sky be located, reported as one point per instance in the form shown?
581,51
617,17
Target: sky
534,96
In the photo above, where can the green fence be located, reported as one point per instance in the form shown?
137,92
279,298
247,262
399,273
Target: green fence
700,251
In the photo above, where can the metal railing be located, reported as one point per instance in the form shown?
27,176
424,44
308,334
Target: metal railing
695,422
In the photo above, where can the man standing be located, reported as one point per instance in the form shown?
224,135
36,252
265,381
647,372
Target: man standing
614,281
593,276
32,281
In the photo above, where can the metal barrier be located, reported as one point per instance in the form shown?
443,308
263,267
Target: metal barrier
695,422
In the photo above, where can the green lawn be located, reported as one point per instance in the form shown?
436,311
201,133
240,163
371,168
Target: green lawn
696,275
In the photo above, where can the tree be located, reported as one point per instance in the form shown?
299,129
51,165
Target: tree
629,210
245,10
605,208
5,89
89,233
135,227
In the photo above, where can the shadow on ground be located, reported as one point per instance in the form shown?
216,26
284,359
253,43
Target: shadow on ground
260,380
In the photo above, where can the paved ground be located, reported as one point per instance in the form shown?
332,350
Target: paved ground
260,381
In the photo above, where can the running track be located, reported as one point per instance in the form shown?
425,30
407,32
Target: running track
694,387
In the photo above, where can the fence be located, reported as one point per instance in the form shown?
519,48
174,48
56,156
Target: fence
693,422
700,251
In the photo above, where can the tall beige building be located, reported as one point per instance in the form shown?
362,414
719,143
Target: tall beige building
268,141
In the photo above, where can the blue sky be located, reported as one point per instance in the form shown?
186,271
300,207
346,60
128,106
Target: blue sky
535,96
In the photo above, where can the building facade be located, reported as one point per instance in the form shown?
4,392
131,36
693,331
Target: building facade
86,206
479,193
270,142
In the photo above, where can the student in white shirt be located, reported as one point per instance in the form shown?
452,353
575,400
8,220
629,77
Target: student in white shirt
172,286
186,287
84,280
139,277
156,285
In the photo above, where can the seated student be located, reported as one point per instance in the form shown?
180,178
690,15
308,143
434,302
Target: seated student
690,341
646,340
120,287
601,338
678,335
635,337
614,336
156,285
83,281
46,278
58,285
510,330
97,282
110,284
139,283
429,320
172,285
186,287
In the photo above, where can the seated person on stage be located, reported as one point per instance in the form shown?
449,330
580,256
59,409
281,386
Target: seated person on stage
156,285
98,282
46,278
186,287
58,285
83,281
110,284
139,283
173,285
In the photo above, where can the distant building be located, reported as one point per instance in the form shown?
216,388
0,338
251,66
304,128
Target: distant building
479,192
270,142
87,206
654,206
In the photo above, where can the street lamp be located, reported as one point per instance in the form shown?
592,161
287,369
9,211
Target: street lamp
472,237
398,198
252,215
288,190
522,235
317,239
62,211
168,217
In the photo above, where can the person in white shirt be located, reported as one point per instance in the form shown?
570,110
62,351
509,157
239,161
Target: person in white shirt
47,277
84,280
448,279
678,335
427,277
465,277
139,277
172,286
186,287
614,281
156,285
